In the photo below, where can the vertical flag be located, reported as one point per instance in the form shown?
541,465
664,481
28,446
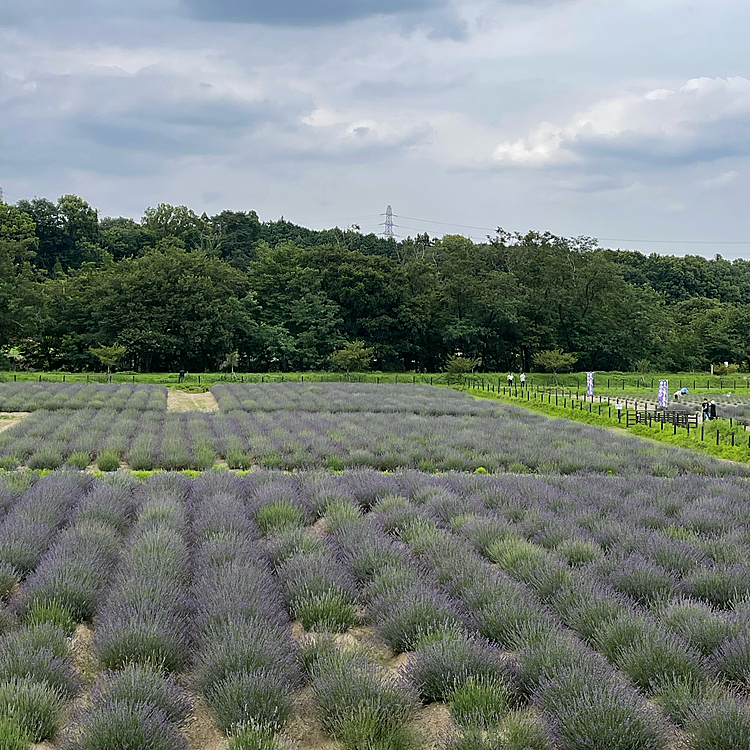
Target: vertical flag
663,397
589,383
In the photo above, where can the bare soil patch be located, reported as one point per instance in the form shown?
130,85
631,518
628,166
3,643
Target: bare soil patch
303,727
202,732
10,418
84,660
433,723
183,401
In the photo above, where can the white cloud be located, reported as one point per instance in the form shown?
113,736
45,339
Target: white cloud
541,148
342,130
721,180
703,120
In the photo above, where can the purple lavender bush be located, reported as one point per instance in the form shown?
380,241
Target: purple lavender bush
362,705
119,723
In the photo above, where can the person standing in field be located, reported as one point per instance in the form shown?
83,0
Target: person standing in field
182,375
523,379
510,379
705,408
712,410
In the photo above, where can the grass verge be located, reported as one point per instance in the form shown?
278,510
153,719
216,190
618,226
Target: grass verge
724,450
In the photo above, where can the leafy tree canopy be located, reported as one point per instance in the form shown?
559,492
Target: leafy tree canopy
181,290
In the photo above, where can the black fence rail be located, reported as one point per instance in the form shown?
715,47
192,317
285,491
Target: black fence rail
628,413
663,416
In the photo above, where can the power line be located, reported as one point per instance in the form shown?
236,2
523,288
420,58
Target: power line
679,242
602,239
345,218
445,223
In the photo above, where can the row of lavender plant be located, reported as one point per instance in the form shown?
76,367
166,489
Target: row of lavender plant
35,666
319,593
514,440
69,581
660,664
35,673
245,665
51,396
360,703
31,524
348,397
142,632
12,487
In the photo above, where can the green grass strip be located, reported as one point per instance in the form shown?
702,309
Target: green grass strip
724,449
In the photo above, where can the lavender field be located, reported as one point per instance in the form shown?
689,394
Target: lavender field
366,610
52,396
472,575
349,397
387,427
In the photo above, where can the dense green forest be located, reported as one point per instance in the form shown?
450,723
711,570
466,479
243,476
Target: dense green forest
181,290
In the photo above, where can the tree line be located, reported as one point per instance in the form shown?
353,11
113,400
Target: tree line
178,290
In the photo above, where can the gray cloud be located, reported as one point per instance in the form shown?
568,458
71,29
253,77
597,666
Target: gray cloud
121,123
438,17
332,109
303,12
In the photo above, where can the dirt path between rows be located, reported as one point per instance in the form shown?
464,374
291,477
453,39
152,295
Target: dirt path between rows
183,401
10,418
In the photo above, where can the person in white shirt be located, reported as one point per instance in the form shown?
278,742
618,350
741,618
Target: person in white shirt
510,378
523,379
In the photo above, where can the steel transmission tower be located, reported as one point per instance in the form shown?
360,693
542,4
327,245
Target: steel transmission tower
388,232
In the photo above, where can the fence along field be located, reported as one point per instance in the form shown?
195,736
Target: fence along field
302,426
368,610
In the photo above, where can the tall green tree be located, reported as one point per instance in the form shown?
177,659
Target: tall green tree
67,232
122,237
19,292
237,234
174,222
168,307
292,302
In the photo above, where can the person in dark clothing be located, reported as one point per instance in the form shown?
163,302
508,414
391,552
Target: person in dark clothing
712,410
182,375
705,409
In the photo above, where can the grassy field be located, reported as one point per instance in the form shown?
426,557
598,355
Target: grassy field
206,379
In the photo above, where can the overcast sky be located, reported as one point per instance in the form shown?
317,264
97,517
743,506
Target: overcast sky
620,119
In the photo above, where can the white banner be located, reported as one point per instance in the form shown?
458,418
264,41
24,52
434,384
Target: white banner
663,397
589,383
